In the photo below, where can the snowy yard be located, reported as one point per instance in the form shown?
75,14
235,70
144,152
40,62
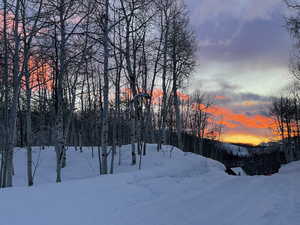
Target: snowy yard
177,190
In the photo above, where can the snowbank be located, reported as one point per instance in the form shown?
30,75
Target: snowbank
177,190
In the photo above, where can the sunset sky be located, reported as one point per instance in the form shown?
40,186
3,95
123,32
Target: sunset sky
243,60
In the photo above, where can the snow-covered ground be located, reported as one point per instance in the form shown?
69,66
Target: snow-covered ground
184,189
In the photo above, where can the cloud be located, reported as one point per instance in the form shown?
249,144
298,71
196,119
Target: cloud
257,121
244,10
225,85
242,114
243,127
259,44
248,33
220,97
244,57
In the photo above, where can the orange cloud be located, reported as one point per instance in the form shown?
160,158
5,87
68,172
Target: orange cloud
182,96
242,128
220,97
227,124
256,121
157,95
40,75
250,103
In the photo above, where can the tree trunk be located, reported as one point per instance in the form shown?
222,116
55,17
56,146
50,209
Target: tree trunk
105,90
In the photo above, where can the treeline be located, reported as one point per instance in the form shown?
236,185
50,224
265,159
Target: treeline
286,109
286,113
100,72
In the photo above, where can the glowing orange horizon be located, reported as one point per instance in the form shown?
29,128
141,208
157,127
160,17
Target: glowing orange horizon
231,121
228,119
244,138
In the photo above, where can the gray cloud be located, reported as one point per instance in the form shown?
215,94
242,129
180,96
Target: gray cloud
229,95
244,42
261,43
246,10
226,86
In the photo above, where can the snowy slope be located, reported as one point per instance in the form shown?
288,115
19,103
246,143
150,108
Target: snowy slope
182,190
82,165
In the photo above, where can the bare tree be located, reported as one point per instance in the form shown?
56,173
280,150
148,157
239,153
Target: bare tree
182,47
12,82
67,16
30,28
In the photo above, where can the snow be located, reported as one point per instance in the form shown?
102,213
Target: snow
81,165
236,150
239,171
173,188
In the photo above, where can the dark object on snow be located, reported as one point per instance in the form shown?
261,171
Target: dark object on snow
230,171
262,164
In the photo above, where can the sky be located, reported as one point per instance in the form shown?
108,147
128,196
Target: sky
243,60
